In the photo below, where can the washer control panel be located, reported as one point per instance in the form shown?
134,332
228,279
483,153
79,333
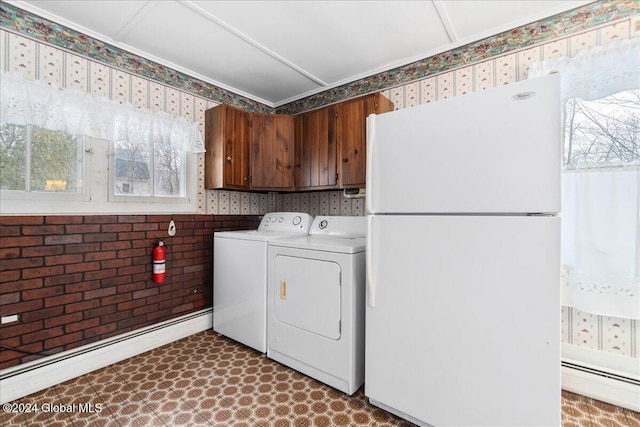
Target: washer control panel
286,221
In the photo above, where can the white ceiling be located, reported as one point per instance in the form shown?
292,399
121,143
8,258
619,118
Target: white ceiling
276,52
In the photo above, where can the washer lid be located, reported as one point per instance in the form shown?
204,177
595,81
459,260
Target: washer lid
343,244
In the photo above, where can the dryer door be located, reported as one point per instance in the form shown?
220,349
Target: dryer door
307,294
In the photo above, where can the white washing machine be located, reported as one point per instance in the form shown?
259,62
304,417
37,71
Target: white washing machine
316,301
240,276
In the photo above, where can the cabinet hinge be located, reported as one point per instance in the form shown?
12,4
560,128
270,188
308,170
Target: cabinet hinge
336,176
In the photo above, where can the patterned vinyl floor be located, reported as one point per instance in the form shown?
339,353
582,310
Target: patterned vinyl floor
208,380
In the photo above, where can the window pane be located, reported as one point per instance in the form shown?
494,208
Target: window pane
605,130
12,157
56,161
168,171
132,176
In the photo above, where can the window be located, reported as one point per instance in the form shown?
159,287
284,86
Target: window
64,151
145,171
33,159
600,194
45,171
603,131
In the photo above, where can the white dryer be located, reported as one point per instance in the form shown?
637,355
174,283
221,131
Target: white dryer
316,291
240,276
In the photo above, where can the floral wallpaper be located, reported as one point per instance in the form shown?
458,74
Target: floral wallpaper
577,20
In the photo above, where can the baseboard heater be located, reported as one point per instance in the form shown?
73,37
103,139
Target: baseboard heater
601,373
31,377
617,388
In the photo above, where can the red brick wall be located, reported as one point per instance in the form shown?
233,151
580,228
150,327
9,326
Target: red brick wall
74,280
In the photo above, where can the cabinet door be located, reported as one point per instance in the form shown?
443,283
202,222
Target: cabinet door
352,123
316,149
236,164
227,145
272,142
353,135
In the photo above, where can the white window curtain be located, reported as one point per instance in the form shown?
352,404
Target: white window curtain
38,103
600,202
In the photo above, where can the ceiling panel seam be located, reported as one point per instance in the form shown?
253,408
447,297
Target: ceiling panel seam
142,13
446,21
252,42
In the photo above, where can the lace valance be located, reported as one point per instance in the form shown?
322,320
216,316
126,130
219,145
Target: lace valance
596,72
38,103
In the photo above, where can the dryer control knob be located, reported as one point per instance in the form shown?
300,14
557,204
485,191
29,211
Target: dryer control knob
297,220
323,224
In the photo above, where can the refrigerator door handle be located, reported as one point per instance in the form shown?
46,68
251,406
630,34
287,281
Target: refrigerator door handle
371,289
371,130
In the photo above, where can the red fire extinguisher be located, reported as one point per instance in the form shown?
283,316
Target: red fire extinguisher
159,262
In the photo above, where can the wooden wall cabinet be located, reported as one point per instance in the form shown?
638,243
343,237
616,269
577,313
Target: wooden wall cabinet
331,143
227,143
352,131
316,149
272,152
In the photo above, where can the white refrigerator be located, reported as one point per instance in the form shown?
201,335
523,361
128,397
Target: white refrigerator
463,258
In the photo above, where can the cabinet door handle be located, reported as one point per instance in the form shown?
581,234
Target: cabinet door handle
345,160
228,159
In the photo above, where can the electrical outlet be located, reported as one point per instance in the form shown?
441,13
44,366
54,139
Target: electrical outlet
9,319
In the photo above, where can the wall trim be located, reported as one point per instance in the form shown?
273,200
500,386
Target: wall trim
27,378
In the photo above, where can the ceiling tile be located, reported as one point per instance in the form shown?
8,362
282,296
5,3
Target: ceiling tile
473,20
192,41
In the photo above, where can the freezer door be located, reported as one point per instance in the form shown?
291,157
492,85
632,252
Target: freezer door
465,324
487,152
